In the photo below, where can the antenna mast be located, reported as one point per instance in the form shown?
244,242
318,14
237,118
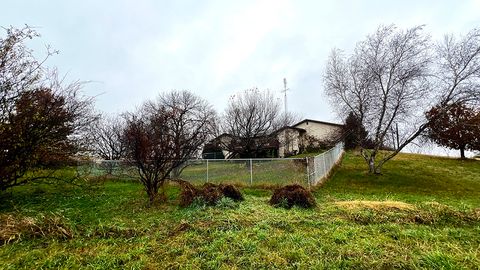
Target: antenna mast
285,89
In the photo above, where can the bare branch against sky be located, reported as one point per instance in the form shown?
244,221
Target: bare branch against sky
133,50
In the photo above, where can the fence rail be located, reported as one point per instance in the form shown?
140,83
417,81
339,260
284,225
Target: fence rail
255,171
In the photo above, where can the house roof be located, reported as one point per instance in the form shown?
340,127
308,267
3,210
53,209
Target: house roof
319,122
285,127
291,127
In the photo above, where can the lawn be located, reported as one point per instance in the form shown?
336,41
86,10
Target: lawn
265,172
275,172
423,213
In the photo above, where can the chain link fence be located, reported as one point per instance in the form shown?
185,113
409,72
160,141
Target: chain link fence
115,169
321,165
246,172
249,172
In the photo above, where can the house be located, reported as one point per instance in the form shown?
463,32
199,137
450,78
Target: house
307,134
227,146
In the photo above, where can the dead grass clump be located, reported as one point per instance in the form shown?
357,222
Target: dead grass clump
188,193
374,212
209,193
15,228
230,191
375,205
291,195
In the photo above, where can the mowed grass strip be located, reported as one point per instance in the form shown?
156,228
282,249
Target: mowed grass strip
428,220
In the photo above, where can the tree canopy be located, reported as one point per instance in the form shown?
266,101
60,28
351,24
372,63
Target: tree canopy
394,76
42,119
457,127
165,133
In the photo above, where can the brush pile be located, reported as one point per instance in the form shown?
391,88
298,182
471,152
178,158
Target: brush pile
209,193
291,195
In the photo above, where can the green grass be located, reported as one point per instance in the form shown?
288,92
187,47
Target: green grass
275,172
113,227
409,178
264,172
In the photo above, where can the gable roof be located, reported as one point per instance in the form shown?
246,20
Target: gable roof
290,127
319,122
294,127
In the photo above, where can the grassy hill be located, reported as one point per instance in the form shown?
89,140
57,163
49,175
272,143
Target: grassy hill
409,177
422,213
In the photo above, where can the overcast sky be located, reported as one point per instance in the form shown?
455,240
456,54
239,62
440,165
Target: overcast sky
133,50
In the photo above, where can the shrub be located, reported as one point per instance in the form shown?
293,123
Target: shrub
291,195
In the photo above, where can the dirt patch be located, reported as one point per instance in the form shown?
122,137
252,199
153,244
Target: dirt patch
291,195
377,205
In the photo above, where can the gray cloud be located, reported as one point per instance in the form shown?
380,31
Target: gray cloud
132,50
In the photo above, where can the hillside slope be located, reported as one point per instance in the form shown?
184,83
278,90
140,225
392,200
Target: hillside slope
423,213
408,177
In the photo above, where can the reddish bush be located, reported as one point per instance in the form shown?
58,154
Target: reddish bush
291,195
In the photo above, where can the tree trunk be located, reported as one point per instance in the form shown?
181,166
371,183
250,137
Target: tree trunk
462,152
371,164
152,194
156,195
374,168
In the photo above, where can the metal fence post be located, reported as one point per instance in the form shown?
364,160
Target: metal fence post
207,170
308,172
251,173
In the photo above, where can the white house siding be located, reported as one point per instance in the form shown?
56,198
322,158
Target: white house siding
289,142
318,130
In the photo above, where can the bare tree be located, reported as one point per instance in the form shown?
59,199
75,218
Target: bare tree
107,141
250,119
393,77
165,133
288,119
107,137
